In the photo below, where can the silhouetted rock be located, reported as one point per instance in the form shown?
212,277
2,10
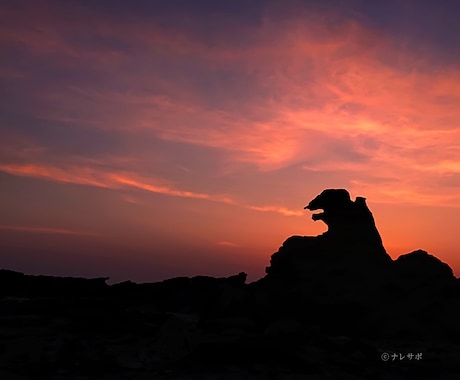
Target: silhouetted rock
346,271
350,224
351,251
330,306
19,284
420,264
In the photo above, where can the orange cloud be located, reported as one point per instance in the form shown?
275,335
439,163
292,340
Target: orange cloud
167,190
280,210
321,83
332,97
406,193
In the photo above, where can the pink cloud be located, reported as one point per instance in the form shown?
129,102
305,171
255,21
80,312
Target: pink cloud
324,90
119,180
96,177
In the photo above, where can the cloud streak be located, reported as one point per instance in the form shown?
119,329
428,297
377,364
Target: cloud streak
280,210
92,177
49,230
227,244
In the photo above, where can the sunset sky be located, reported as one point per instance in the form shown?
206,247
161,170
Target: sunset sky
145,140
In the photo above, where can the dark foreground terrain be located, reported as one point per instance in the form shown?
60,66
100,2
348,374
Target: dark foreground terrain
334,306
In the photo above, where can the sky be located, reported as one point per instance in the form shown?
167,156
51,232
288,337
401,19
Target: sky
145,140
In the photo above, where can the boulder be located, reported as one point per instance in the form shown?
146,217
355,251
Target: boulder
420,264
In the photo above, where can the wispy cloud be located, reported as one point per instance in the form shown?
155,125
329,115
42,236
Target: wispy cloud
338,79
49,230
313,84
329,96
227,244
280,210
94,177
407,193
98,178
123,180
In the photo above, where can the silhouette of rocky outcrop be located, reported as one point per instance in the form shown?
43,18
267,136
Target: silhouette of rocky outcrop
419,264
351,225
330,306
19,284
347,262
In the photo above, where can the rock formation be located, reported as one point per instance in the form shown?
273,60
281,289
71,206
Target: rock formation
346,270
331,306
352,246
420,264
351,225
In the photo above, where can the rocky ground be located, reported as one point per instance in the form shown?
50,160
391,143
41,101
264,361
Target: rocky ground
205,328
330,307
